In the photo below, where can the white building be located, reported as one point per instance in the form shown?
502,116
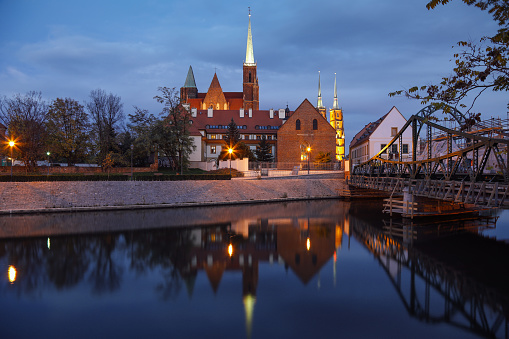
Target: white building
376,135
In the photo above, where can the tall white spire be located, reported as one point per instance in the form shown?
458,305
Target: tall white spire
335,105
250,61
320,104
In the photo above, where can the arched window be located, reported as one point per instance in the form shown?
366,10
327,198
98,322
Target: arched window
297,124
249,76
315,124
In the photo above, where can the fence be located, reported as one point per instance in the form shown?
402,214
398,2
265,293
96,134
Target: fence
280,169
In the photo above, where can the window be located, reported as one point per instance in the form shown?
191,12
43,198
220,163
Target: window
212,149
382,147
297,125
405,149
249,76
394,131
394,148
315,124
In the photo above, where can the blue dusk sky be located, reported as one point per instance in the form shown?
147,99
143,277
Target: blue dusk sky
130,48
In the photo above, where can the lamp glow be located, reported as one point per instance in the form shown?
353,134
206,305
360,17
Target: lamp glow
308,243
230,250
11,272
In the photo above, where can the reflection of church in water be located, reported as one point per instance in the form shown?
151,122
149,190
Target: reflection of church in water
302,245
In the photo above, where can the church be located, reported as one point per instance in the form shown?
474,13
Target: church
215,98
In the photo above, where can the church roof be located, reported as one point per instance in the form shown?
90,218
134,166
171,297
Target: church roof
190,79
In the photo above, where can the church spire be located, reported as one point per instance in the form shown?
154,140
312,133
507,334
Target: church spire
190,83
320,104
249,49
335,105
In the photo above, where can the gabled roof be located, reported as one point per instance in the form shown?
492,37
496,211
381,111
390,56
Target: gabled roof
364,133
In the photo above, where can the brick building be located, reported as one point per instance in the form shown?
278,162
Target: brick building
306,127
215,98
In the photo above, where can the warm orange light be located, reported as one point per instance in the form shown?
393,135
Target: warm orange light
230,150
309,149
230,250
11,272
308,243
11,143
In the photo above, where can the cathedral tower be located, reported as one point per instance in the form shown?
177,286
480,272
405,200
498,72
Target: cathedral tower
336,121
319,106
250,79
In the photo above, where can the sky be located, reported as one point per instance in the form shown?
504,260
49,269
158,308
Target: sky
130,48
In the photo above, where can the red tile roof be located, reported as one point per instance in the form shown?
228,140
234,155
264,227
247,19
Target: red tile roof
218,123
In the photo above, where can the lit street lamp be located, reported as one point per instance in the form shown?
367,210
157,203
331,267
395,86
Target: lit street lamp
48,154
11,144
230,150
309,150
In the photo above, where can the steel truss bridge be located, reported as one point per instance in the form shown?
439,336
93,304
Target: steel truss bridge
466,161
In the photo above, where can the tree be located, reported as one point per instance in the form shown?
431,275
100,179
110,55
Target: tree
171,133
263,152
68,130
25,116
478,67
323,158
106,114
142,124
232,140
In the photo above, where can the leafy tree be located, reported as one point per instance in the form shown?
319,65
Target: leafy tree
263,152
68,130
479,67
323,157
25,116
106,114
171,133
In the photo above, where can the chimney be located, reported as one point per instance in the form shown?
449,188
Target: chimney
241,112
271,113
194,112
281,113
210,113
250,112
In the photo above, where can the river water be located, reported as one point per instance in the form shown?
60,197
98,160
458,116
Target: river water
311,269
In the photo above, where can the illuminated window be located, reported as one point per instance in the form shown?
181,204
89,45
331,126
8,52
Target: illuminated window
297,124
212,149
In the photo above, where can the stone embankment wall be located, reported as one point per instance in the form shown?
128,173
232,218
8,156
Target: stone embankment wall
71,170
55,196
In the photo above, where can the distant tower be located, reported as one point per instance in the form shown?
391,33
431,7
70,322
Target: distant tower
319,106
250,79
336,121
189,91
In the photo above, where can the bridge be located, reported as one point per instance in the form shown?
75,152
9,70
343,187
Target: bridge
456,158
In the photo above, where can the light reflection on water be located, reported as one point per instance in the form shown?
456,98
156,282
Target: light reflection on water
295,270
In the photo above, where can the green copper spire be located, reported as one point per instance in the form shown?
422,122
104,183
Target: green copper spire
249,49
335,105
320,104
190,79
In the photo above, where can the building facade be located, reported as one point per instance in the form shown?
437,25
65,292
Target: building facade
306,127
336,121
375,136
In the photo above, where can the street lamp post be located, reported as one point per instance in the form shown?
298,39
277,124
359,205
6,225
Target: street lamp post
309,150
132,148
230,150
11,144
48,154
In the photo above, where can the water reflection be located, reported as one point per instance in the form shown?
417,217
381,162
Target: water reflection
452,280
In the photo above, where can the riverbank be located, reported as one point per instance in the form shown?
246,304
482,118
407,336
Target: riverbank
39,197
